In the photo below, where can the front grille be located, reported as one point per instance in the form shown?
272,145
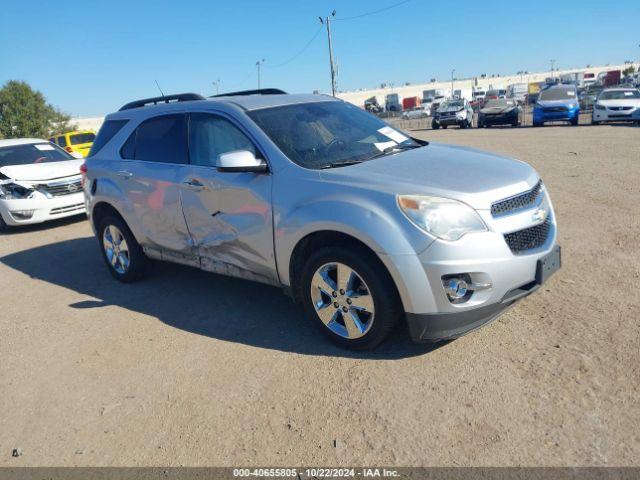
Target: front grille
517,202
68,208
554,109
59,189
529,238
618,109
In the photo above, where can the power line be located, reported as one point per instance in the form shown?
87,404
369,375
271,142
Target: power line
373,12
300,52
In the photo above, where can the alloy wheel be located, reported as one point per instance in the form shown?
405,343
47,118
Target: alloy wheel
342,300
116,249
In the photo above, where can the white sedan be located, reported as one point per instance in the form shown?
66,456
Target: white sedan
38,182
617,105
417,112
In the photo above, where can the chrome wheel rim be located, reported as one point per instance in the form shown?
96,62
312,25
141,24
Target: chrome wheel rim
116,249
342,300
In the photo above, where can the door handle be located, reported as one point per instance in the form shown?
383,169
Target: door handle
193,183
125,174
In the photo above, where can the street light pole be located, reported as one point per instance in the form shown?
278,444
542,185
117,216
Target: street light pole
217,85
327,23
258,64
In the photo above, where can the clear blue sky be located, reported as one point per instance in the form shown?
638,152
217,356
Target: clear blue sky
89,58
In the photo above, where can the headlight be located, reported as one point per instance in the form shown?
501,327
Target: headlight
462,113
10,191
600,107
441,217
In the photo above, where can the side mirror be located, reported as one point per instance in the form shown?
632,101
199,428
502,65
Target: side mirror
241,161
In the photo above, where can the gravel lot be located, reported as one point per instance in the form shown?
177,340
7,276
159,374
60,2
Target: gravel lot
189,368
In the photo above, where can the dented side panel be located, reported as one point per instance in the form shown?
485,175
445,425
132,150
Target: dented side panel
154,193
229,220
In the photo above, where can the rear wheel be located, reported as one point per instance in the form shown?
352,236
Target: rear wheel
350,297
435,125
3,226
538,124
445,126
120,250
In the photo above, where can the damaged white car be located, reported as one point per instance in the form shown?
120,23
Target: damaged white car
38,182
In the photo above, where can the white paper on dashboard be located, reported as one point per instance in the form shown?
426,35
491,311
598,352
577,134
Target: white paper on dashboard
393,134
382,145
44,146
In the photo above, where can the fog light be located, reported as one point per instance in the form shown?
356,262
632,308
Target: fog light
22,214
456,288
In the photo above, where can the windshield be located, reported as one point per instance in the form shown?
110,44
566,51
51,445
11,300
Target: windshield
557,94
79,138
620,95
318,135
32,153
451,104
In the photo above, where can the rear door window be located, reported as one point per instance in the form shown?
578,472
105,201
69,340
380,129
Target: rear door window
160,139
80,138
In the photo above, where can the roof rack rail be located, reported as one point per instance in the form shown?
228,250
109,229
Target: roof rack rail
262,91
180,97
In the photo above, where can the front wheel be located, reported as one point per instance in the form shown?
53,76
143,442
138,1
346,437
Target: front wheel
435,125
445,126
120,250
350,297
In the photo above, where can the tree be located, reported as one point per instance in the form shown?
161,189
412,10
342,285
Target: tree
628,71
24,112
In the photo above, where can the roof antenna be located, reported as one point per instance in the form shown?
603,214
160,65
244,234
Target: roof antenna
161,92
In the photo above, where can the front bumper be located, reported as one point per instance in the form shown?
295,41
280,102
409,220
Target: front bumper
449,120
607,115
499,119
43,208
540,116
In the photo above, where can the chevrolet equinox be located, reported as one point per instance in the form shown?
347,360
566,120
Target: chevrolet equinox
360,223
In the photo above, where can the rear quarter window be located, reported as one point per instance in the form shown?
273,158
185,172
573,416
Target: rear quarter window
106,133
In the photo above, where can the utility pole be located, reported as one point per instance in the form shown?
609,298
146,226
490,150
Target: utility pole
217,85
259,64
553,62
327,23
452,72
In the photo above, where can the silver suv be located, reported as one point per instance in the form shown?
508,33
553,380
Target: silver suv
360,223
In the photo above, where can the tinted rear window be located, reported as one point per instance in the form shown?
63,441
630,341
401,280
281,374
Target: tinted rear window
159,139
106,133
80,138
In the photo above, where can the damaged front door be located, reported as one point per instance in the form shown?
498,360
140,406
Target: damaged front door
228,214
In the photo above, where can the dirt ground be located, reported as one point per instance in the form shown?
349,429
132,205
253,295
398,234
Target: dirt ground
190,368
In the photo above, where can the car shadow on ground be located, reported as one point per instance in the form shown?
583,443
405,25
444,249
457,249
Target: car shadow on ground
203,303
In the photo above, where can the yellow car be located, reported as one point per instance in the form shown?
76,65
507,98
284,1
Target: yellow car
78,141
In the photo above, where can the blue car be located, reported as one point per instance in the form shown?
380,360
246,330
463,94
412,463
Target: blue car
557,103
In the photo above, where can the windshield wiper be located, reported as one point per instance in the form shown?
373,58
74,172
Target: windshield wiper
390,150
341,164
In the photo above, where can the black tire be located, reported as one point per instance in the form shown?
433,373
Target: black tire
138,261
538,124
435,125
445,126
574,122
387,306
3,225
480,125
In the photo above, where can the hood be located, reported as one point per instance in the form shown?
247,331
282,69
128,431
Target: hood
472,176
42,171
450,109
496,110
